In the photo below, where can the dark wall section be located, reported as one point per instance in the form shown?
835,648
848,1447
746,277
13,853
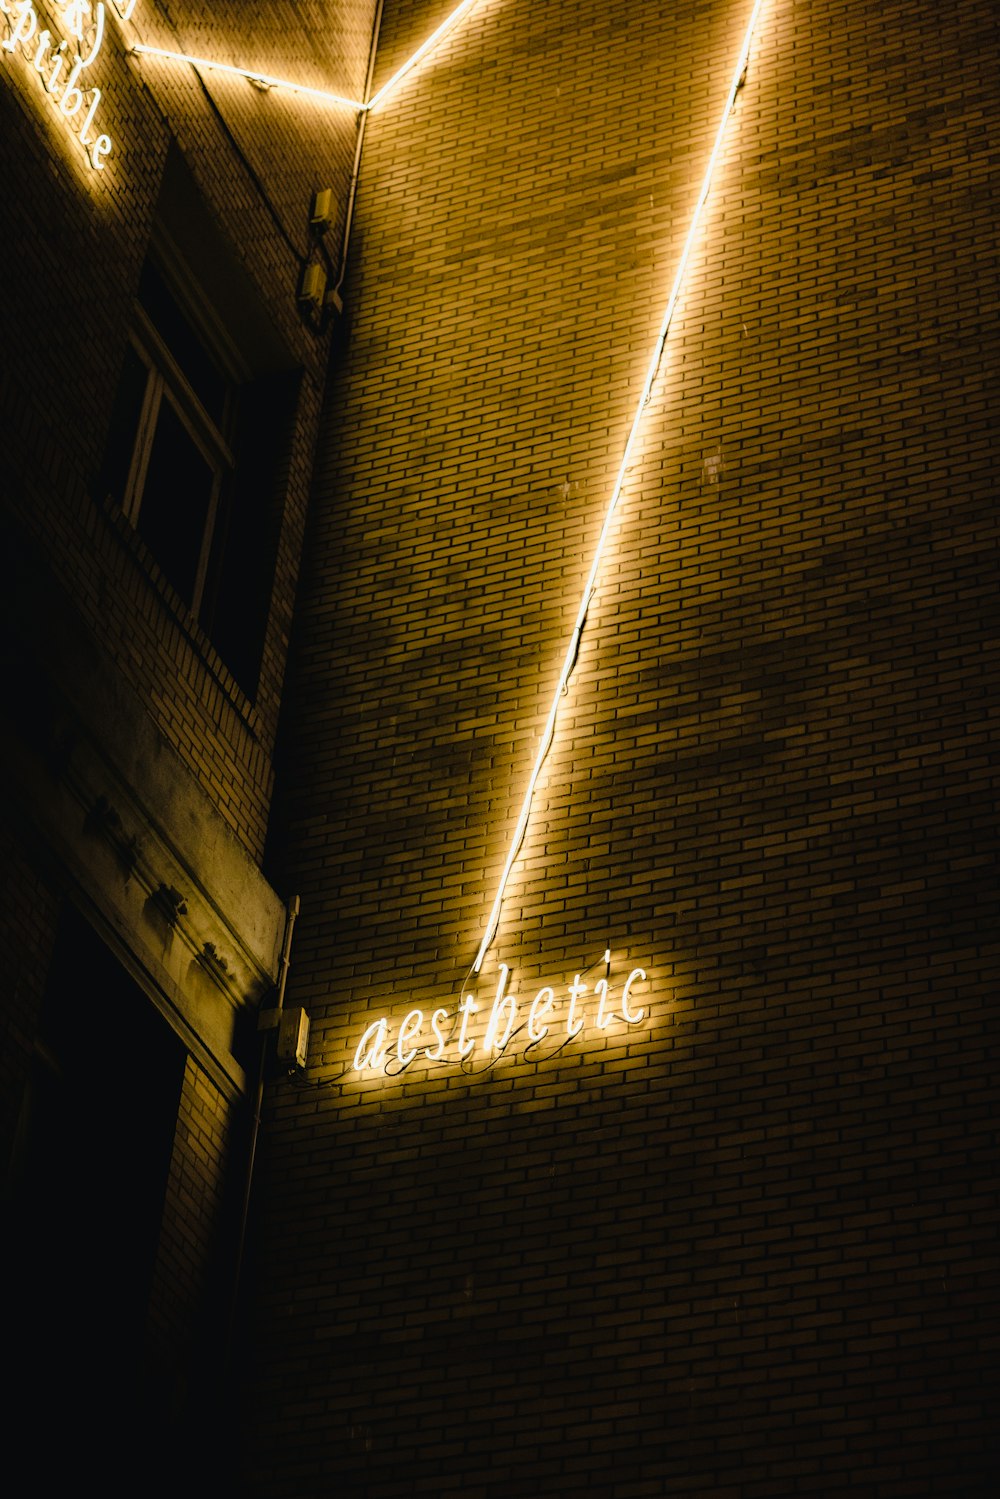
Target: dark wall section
160,387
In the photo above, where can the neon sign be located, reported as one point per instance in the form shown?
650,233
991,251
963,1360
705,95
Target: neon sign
62,64
590,587
255,76
450,1031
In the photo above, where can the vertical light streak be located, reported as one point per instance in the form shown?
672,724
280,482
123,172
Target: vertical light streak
574,641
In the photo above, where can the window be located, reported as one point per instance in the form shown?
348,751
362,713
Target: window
202,426
170,459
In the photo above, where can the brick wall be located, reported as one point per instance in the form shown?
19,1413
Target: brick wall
191,1294
76,239
747,1248
79,238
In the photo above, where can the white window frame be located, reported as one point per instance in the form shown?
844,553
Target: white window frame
166,381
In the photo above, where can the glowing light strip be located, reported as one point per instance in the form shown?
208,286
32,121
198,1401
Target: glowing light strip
588,591
374,1049
254,77
318,93
421,52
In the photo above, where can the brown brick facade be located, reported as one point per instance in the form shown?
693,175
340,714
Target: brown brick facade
740,1239
747,1248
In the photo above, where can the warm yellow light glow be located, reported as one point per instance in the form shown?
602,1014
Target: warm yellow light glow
74,95
603,1018
371,1047
76,22
25,25
627,1015
254,76
542,1004
572,648
99,150
72,99
435,1054
574,1022
251,74
466,1009
501,1005
58,58
88,119
425,47
375,1049
409,1028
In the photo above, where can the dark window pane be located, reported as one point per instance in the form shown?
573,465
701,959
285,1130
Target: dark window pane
245,539
175,501
206,380
124,425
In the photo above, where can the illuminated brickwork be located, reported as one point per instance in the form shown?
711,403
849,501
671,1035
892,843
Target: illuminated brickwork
751,1251
256,160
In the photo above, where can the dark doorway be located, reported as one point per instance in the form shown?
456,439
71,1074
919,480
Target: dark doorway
97,1130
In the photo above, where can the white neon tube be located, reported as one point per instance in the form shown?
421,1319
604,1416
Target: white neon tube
588,591
250,73
421,52
317,93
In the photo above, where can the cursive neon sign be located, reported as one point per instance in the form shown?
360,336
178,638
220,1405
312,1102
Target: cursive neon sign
63,63
451,1031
